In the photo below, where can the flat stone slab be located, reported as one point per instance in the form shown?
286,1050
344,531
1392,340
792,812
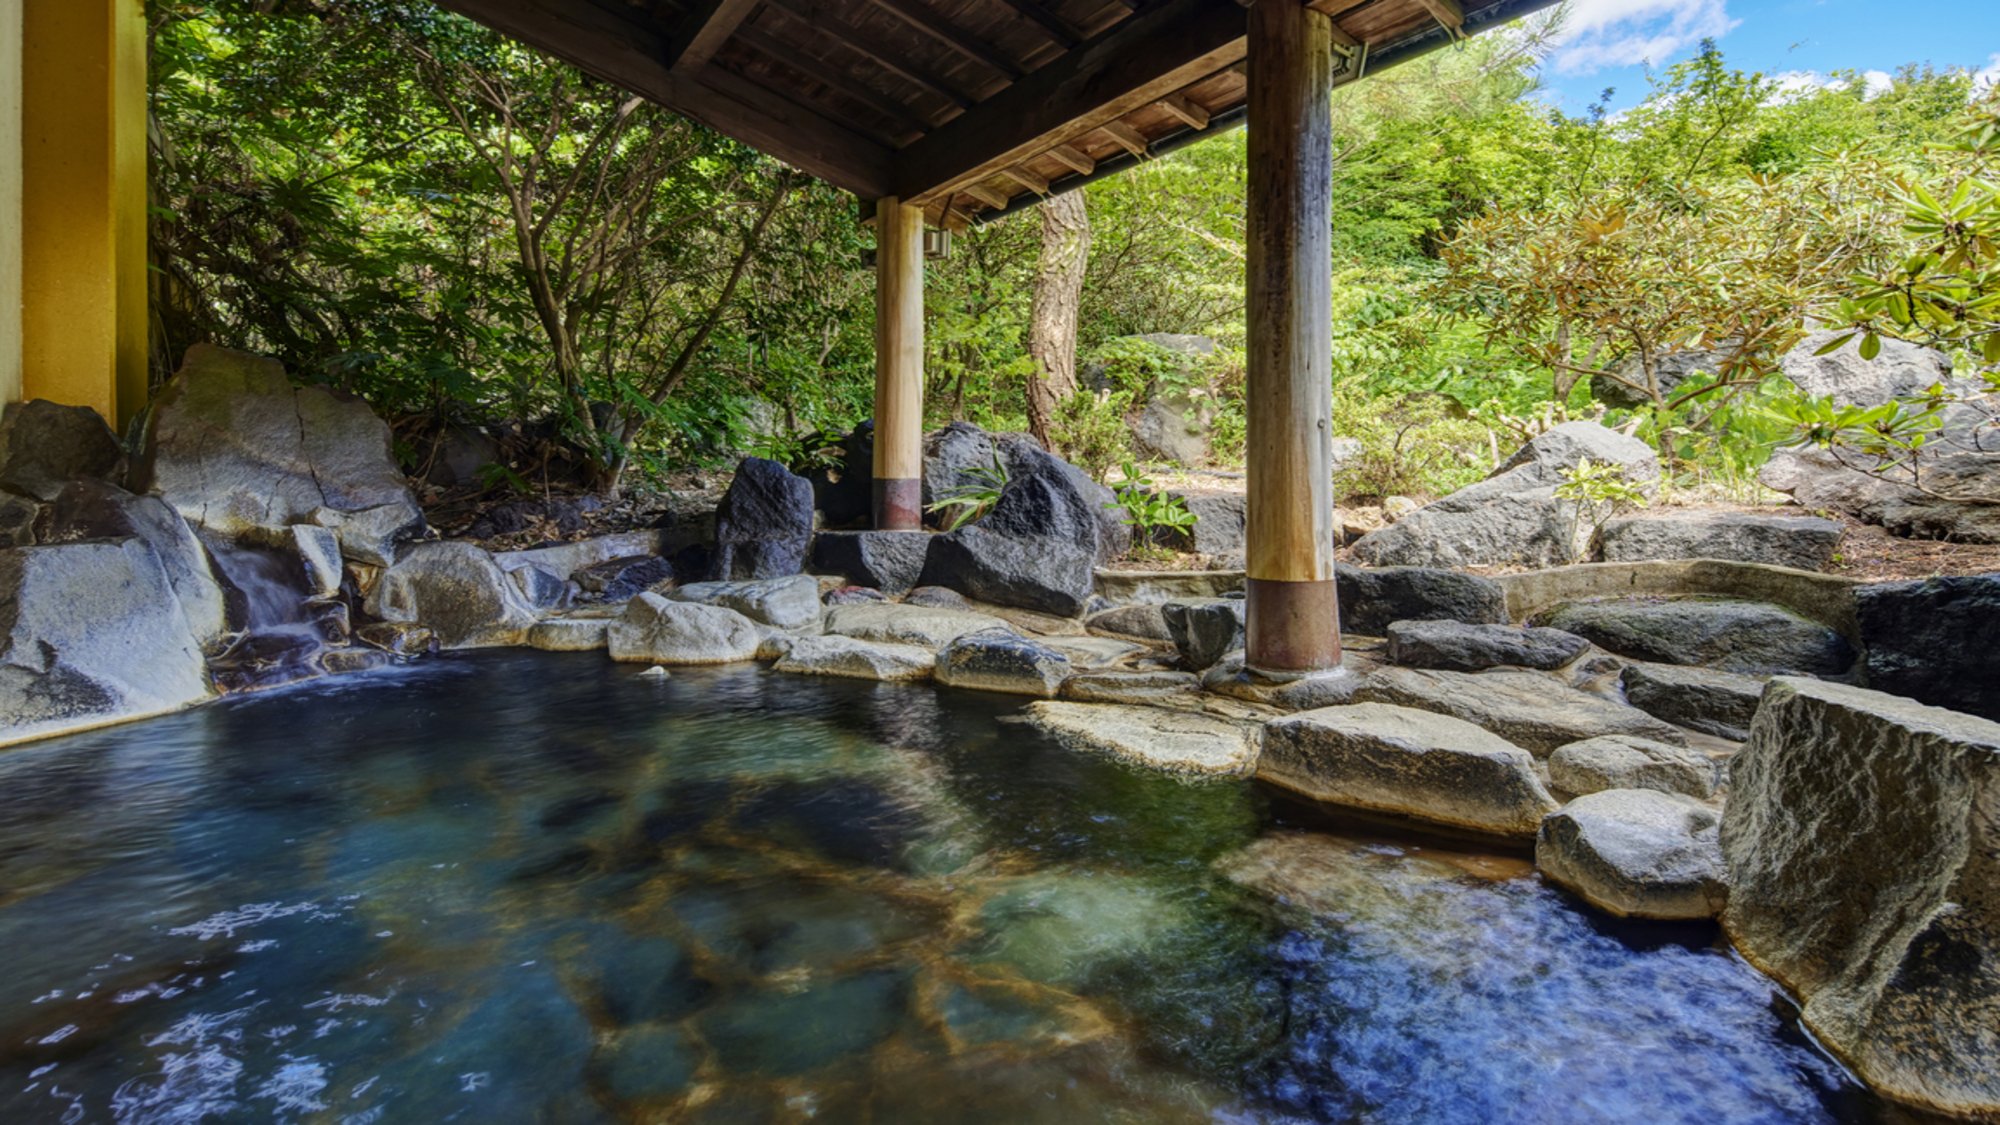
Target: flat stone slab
1703,699
859,660
1456,646
1531,710
1094,652
999,660
1173,741
1800,542
1730,634
1408,762
1130,687
1618,761
1146,622
906,625
783,603
655,630
1637,853
570,634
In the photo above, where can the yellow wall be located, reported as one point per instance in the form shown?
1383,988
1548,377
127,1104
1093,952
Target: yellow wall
10,200
83,204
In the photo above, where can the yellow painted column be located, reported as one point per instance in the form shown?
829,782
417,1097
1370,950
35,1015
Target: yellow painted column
83,204
10,200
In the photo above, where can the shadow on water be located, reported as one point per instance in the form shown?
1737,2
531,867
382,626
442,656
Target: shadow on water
539,888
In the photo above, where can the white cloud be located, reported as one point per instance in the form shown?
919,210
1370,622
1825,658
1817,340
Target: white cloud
1989,75
1611,33
1796,83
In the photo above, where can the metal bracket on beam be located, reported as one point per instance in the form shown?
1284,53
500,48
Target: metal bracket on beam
1350,63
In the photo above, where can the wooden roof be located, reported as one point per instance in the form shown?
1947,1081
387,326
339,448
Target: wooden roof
963,106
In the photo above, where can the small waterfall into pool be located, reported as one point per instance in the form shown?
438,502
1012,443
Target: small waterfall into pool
283,632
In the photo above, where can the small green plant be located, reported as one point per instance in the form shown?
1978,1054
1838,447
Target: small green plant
1596,493
968,502
1147,511
1091,432
495,475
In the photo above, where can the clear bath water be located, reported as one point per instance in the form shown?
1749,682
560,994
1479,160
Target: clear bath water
525,887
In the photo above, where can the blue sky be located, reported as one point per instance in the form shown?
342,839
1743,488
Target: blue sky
1607,42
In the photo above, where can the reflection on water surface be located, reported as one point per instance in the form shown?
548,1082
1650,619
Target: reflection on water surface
534,887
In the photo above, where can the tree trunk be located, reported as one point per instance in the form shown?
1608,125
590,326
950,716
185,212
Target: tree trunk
1058,291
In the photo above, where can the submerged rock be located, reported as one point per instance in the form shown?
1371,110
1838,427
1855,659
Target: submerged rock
1407,762
782,603
239,451
861,660
1174,741
1753,638
1527,708
45,445
1000,660
655,630
1616,761
1934,640
1800,542
1717,703
94,634
1861,837
456,589
1456,646
1637,853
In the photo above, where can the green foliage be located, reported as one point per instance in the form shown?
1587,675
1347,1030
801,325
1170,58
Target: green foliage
1090,431
1596,492
1147,511
1410,444
968,502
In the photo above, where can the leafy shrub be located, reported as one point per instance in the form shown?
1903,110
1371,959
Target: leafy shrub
1410,444
1091,432
1147,511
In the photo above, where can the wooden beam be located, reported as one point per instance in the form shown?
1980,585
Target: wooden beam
702,31
987,195
1292,619
1075,159
1128,138
1046,22
861,42
1131,65
626,54
820,70
1191,115
951,35
1027,179
1336,7
1446,12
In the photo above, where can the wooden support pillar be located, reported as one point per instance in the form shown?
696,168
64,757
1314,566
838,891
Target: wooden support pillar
899,365
1293,618
83,204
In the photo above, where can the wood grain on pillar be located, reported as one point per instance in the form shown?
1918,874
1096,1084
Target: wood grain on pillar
899,364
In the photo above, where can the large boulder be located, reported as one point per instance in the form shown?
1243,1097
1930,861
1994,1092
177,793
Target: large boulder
1800,542
45,445
18,516
1753,638
764,525
783,603
1372,599
1933,640
1512,517
1529,709
1172,741
962,456
1898,370
1036,549
1669,372
1637,853
92,634
456,589
1617,761
655,630
1819,478
88,508
889,561
999,660
1407,762
1862,837
844,491
1459,647
1172,428
242,453
1703,699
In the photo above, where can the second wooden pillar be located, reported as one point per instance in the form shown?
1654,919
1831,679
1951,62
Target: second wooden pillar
899,365
1293,617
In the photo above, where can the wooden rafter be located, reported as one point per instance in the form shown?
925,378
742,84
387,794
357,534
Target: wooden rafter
819,69
951,35
630,55
1048,23
1448,13
989,196
1191,115
863,43
1128,138
703,30
1037,184
1073,158
1131,65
